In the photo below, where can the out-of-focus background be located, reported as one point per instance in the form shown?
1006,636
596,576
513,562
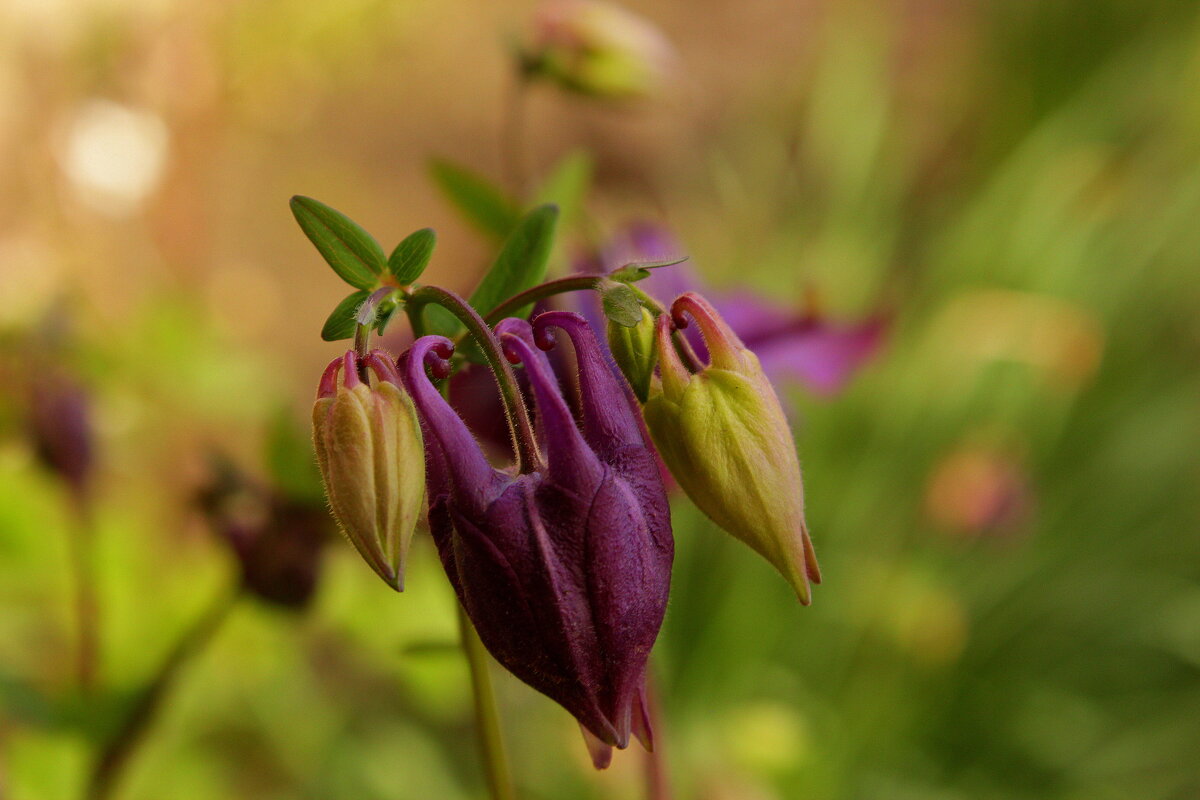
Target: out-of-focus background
1004,496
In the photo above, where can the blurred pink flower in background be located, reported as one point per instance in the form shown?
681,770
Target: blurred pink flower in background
794,345
977,491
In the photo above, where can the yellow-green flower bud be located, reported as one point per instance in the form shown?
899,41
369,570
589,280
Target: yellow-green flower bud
633,350
599,49
372,459
725,438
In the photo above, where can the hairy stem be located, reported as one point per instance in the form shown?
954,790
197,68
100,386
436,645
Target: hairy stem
115,755
571,283
487,718
364,322
525,446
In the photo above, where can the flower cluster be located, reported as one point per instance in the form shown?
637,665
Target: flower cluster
562,559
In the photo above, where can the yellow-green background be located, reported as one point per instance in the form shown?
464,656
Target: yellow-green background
1018,181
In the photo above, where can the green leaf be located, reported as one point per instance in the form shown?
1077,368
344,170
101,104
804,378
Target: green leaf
411,256
482,203
341,324
620,304
352,252
441,322
522,260
636,271
291,460
568,184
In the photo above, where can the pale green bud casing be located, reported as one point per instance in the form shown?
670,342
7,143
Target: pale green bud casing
726,440
372,458
633,350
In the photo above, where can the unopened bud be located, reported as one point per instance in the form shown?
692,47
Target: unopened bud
724,436
633,350
599,49
372,459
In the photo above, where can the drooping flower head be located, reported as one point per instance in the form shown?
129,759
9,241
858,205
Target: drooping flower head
724,436
565,568
368,443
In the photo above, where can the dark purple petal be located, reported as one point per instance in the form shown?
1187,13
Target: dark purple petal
563,571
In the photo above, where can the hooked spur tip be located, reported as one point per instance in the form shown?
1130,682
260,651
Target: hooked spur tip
327,386
383,367
435,352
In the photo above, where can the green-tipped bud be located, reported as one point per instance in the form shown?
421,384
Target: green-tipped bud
724,436
372,459
633,350
599,49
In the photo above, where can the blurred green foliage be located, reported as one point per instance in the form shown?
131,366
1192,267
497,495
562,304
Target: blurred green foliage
1028,212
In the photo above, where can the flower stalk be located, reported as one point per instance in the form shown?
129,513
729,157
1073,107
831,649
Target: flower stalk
528,459
487,716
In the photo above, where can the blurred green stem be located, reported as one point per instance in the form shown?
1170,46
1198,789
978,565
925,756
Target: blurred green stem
487,718
512,141
87,607
658,778
121,746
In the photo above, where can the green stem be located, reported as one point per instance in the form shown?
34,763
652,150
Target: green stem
117,751
658,778
365,321
80,542
571,283
527,455
487,718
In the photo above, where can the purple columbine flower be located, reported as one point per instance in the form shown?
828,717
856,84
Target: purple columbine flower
564,569
792,345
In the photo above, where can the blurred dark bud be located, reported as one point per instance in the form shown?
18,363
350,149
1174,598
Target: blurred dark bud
277,539
977,491
59,425
598,49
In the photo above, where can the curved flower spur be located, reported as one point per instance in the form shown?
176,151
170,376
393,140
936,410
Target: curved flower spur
564,568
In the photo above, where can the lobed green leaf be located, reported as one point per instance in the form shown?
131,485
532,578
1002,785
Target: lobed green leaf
341,323
412,255
352,252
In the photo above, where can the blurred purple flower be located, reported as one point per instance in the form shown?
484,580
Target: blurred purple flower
60,426
800,346
564,570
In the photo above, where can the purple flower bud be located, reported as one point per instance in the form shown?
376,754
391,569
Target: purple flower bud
564,570
60,426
